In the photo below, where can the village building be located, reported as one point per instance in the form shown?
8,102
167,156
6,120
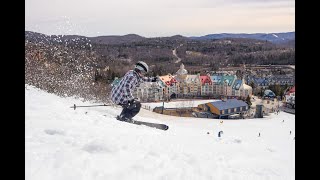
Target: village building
206,86
170,85
149,92
189,85
183,85
225,108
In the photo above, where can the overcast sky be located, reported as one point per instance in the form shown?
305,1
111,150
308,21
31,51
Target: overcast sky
158,18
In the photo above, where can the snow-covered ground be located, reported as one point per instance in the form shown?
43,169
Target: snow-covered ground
88,144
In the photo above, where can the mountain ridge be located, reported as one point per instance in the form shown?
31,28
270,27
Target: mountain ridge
277,38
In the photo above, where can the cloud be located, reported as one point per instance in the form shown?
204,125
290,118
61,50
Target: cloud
151,18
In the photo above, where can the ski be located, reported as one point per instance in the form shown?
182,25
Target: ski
149,124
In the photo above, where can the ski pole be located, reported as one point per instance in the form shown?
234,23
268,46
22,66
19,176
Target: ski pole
75,106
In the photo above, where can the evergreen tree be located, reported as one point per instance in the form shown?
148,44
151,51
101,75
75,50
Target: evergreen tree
253,85
113,75
248,101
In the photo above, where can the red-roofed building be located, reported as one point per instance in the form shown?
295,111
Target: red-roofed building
171,85
290,97
292,90
206,85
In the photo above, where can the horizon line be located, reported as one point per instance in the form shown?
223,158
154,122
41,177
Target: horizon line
157,36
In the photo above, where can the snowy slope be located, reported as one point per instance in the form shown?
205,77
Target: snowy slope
88,143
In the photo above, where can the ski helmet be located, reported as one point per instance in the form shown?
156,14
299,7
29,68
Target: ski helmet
142,66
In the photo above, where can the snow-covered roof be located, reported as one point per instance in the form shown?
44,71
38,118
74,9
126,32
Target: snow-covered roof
228,104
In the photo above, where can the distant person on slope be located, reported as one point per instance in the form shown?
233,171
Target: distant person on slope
122,93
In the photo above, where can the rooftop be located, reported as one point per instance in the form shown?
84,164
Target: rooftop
168,79
205,79
237,84
228,104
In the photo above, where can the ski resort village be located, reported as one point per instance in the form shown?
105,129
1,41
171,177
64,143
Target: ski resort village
229,96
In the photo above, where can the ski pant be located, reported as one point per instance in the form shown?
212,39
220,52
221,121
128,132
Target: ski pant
130,110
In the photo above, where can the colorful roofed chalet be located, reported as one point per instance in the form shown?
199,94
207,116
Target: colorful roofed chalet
205,79
237,84
168,80
228,79
221,79
216,78
292,90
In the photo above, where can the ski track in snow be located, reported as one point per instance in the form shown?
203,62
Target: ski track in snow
88,143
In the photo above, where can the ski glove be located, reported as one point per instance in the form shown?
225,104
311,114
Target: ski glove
132,101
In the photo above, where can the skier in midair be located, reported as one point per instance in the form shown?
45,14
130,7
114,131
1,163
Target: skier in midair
122,93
